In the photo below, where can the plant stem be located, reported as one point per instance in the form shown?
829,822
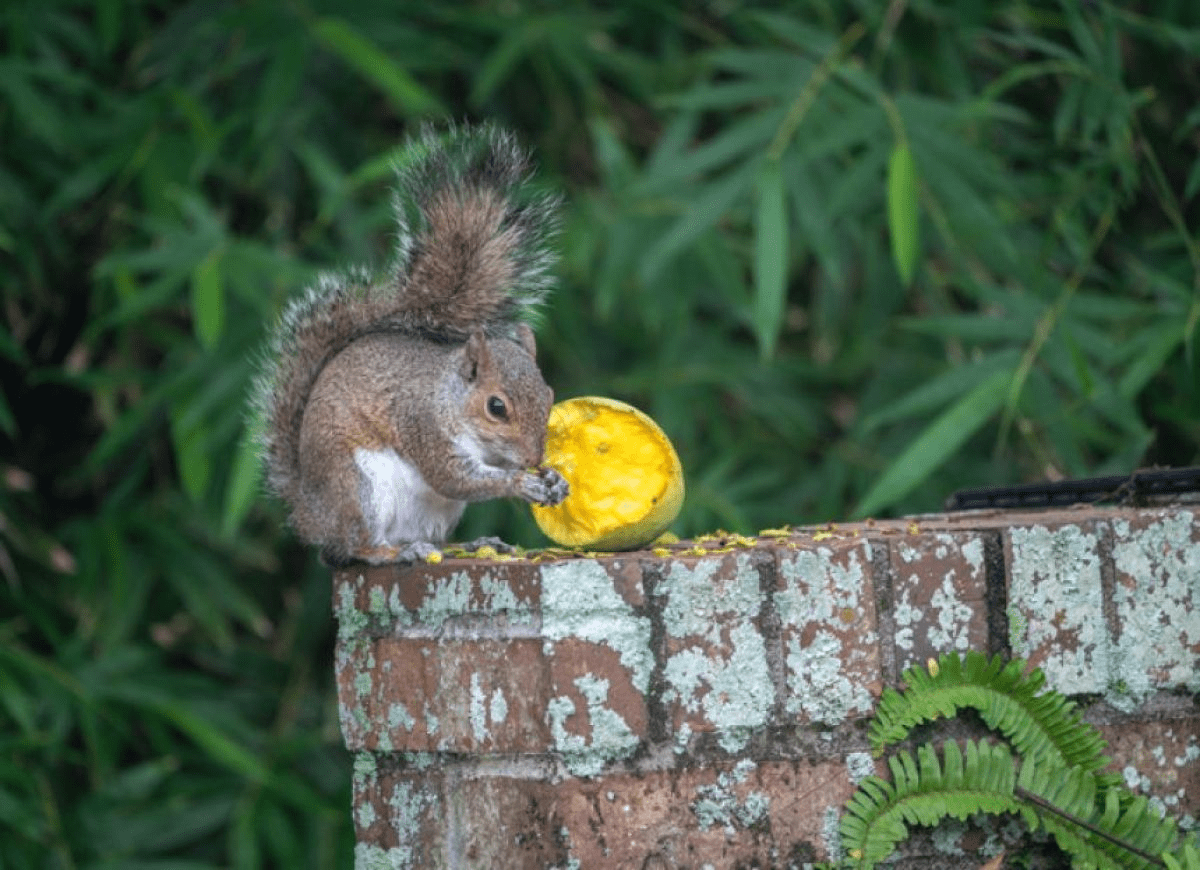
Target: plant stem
1044,804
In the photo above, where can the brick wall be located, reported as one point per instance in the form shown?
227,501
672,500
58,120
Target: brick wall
705,705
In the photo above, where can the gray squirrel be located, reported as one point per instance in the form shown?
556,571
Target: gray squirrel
387,403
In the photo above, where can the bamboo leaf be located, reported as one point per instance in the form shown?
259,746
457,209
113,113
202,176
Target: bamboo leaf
937,443
376,66
770,258
242,489
208,300
191,453
701,214
903,211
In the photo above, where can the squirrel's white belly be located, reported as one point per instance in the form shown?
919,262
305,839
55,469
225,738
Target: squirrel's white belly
398,506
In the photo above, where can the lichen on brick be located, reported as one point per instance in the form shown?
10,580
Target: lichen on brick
818,685
364,814
696,598
829,665
1055,587
610,737
719,803
479,729
370,857
953,618
498,710
351,622
723,675
831,836
407,804
399,717
859,765
499,597
1157,597
365,775
580,600
734,693
447,597
929,613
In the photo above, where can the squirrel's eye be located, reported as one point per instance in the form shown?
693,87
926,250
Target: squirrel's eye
497,408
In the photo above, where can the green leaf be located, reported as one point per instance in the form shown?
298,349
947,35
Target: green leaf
936,391
937,443
8,423
243,486
903,211
1157,346
375,66
208,300
770,258
219,745
191,443
701,214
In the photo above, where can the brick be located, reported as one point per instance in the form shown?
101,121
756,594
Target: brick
456,593
744,814
1160,759
599,602
1056,604
596,715
399,815
504,821
939,595
420,694
539,713
769,814
825,600
716,674
1156,560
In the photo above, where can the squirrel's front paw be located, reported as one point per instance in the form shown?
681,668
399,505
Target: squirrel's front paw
546,488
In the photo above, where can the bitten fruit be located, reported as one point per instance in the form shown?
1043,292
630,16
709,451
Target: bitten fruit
625,477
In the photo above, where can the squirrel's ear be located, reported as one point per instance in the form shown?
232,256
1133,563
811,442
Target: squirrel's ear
476,357
524,338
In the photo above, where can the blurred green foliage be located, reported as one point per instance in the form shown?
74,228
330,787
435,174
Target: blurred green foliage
851,255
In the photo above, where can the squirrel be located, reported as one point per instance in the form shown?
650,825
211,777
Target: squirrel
387,403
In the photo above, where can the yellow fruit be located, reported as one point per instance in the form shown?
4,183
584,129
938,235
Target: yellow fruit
626,480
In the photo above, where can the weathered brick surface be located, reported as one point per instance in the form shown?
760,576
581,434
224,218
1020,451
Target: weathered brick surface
1057,603
1160,759
1156,592
715,667
707,705
421,694
939,595
726,814
729,814
825,598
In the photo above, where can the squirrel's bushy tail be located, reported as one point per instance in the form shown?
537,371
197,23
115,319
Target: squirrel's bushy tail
473,253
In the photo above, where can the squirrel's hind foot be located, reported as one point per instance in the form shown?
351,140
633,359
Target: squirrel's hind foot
417,551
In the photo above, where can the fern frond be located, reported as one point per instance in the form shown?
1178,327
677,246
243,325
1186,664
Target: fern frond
1036,723
1099,827
1186,858
926,790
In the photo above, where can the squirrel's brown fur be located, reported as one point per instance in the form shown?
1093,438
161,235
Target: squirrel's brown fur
472,261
